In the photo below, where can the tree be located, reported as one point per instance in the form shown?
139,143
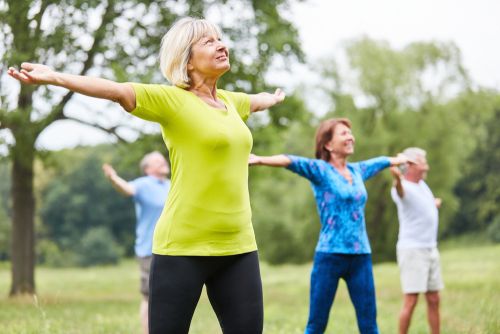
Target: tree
479,188
118,40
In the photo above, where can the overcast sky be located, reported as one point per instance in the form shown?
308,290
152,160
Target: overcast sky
323,24
474,25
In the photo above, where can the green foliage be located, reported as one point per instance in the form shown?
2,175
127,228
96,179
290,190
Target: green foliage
80,198
479,188
494,230
50,254
98,247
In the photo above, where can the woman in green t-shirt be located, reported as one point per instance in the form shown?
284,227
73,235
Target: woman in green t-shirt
204,235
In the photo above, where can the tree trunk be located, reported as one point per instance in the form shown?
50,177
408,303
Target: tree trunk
23,229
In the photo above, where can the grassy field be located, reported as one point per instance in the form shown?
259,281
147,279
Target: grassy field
105,299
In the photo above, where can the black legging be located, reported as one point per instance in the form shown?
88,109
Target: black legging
233,284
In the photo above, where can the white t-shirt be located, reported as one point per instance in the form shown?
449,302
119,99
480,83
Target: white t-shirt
417,214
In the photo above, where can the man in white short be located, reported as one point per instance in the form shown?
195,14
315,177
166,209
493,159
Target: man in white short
417,253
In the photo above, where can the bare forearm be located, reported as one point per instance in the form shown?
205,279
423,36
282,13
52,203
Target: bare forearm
121,185
399,187
121,93
280,160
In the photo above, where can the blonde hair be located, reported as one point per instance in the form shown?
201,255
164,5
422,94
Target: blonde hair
176,46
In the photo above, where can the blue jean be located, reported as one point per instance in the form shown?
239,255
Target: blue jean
356,270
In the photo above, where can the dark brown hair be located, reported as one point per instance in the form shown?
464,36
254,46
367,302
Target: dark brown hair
325,133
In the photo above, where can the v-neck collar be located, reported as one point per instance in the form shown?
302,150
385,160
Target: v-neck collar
226,110
342,176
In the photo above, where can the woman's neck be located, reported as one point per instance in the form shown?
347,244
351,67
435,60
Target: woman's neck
338,161
203,87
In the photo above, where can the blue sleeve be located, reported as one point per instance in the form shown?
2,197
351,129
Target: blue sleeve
137,184
371,167
311,169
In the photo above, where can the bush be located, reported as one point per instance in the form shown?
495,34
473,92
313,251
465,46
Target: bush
494,230
98,247
49,254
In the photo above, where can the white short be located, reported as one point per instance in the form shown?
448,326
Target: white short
420,270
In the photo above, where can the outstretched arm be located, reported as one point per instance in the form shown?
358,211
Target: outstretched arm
37,74
280,160
118,183
265,100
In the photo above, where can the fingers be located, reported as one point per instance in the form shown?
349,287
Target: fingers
27,66
21,76
279,94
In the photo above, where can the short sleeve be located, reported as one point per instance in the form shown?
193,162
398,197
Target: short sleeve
371,167
311,169
240,101
137,185
155,103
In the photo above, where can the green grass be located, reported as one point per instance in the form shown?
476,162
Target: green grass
106,299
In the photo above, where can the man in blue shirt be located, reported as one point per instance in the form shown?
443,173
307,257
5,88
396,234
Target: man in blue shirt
149,193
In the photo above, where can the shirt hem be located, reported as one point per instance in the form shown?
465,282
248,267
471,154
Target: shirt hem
184,252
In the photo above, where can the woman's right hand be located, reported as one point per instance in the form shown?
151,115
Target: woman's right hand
33,74
253,159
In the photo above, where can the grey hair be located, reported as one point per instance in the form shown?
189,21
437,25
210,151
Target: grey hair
413,153
176,47
145,160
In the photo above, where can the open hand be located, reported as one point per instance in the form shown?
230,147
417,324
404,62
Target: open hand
32,74
108,170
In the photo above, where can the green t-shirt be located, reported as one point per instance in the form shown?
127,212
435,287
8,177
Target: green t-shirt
208,208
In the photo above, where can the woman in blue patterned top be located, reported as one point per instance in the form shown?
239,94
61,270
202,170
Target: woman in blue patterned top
343,250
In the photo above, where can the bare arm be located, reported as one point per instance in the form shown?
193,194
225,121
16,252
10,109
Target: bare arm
396,174
37,74
118,183
280,160
265,100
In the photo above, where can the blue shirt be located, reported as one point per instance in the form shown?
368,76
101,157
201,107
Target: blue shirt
150,196
341,205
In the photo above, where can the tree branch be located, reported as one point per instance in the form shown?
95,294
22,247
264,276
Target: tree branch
58,112
111,130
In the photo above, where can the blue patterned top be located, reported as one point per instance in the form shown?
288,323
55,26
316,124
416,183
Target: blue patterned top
341,205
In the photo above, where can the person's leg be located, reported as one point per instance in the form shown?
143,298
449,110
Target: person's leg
144,267
235,292
432,298
175,287
434,284
409,303
325,275
361,287
143,314
414,272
